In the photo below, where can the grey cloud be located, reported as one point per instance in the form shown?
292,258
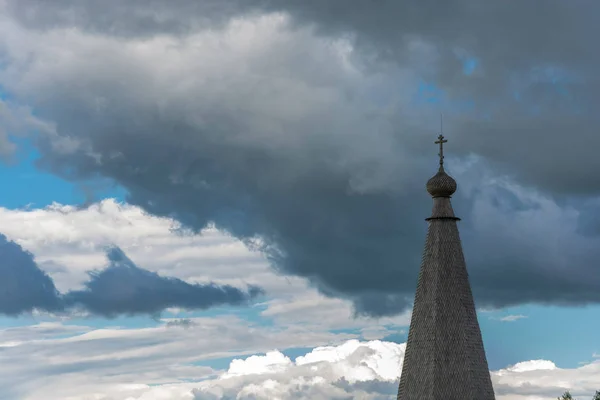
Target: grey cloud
325,162
15,122
181,323
124,288
121,288
137,18
23,285
548,58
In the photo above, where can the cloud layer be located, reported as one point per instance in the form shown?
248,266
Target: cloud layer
168,363
120,288
124,288
371,370
23,285
306,131
351,370
69,242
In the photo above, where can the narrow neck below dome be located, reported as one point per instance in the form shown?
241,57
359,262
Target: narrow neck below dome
442,209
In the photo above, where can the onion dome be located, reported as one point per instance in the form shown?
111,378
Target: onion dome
441,184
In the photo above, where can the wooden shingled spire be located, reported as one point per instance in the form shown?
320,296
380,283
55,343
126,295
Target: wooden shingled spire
444,358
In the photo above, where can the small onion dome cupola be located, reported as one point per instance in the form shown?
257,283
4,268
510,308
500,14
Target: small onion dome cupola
441,184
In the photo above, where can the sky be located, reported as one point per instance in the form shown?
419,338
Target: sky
226,200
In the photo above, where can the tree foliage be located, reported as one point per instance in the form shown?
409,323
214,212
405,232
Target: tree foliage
567,396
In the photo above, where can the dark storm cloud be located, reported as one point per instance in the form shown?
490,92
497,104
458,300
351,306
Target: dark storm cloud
536,71
135,18
536,74
282,142
23,285
121,288
124,288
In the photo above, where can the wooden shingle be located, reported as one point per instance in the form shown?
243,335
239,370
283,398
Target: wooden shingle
444,358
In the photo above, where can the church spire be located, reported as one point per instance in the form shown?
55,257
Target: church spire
444,357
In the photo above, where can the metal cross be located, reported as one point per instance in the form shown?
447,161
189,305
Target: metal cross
441,142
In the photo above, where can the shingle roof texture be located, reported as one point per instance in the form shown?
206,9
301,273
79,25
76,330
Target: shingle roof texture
444,358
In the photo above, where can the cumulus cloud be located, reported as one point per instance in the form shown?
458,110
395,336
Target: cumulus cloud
543,379
371,370
349,370
69,241
300,130
58,361
23,285
509,79
124,288
120,288
352,370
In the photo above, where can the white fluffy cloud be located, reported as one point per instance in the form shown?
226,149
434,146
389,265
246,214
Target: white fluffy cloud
371,370
68,241
76,360
353,369
72,359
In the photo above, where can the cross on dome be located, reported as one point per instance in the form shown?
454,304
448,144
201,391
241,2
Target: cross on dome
441,142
